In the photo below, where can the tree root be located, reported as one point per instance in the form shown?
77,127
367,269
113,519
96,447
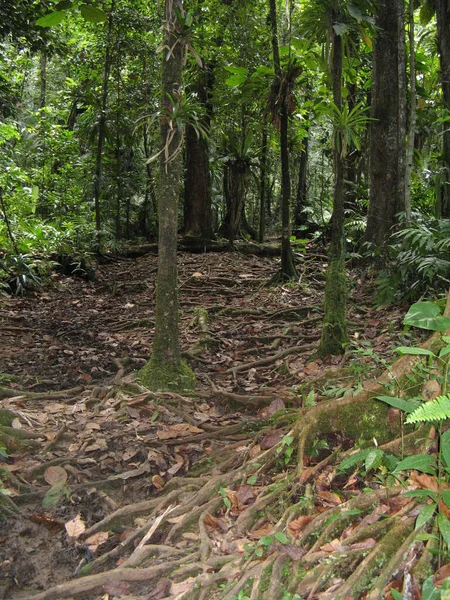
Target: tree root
241,526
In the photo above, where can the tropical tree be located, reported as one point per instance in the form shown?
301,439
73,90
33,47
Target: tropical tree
388,127
165,370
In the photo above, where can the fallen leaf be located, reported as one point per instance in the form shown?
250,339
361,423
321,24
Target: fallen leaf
334,546
75,527
330,497
296,526
214,524
94,541
158,482
441,575
270,440
178,430
55,476
369,543
294,552
183,587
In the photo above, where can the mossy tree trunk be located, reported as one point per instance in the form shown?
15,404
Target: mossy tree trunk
165,370
334,331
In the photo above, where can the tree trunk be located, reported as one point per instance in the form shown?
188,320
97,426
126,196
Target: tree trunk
443,30
388,130
235,187
165,369
300,217
263,186
102,127
334,331
287,270
412,112
197,185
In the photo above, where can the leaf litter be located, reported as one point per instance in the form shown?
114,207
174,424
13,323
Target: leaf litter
68,359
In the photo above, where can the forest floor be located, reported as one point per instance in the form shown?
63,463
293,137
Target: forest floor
110,466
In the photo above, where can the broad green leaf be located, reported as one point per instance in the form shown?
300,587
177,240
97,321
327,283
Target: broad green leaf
374,459
427,316
281,537
266,540
396,595
252,480
425,515
429,590
237,70
236,80
355,12
444,528
414,351
422,494
405,405
92,14
444,352
340,28
445,449
446,497
52,19
419,462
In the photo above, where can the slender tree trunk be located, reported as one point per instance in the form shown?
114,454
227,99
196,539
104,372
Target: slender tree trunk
165,369
412,112
263,186
43,79
235,186
443,30
334,331
300,203
102,125
288,270
388,129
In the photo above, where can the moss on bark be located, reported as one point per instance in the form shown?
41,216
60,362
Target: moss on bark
167,376
334,332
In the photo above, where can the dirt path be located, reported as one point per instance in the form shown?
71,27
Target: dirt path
99,445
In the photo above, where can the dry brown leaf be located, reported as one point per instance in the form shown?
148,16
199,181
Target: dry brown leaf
296,526
268,441
183,587
441,575
161,590
94,541
294,552
158,482
214,524
334,546
330,497
178,430
424,481
365,545
75,527
257,534
55,476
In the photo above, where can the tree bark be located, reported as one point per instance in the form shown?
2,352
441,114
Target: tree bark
287,270
102,126
197,184
334,330
263,186
388,129
165,369
443,31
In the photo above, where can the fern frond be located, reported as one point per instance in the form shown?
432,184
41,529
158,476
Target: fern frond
435,410
355,459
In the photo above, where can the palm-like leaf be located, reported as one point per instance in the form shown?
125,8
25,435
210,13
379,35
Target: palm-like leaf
435,410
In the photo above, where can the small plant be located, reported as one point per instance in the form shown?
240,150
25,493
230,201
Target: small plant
427,316
286,448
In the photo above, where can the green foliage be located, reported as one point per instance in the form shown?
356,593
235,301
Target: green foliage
434,410
417,261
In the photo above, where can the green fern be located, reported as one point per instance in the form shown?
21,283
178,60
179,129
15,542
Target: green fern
435,410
